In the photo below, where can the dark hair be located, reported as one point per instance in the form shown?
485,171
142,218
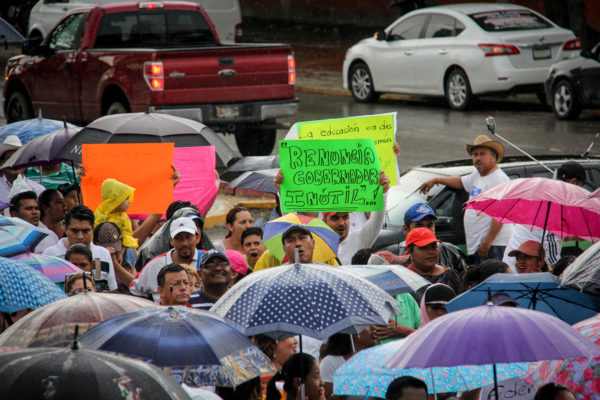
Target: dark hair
231,215
240,392
266,344
549,391
81,213
562,264
160,279
176,205
475,275
255,230
68,187
15,201
79,248
45,199
298,365
361,257
339,344
395,389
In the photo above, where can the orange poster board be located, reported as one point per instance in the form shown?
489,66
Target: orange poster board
144,166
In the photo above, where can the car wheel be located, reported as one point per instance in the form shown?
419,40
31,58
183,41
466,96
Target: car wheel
458,90
361,84
564,101
116,107
255,142
18,107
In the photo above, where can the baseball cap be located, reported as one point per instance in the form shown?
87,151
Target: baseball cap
108,234
503,299
182,224
210,254
420,237
530,248
417,212
294,228
326,214
237,261
439,294
196,217
570,170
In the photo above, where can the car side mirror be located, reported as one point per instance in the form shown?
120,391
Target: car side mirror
32,47
380,35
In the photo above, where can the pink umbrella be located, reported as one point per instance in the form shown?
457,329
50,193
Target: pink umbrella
556,206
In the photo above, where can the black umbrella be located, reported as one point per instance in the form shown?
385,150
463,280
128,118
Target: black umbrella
250,163
147,128
71,373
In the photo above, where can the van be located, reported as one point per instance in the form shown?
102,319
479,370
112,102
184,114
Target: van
226,16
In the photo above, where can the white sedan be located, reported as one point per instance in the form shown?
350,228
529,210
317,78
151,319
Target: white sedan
459,51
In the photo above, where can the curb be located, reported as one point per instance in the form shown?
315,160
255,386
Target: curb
340,92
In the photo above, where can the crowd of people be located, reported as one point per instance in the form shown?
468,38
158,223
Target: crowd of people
172,261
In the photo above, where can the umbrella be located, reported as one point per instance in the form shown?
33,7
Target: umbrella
72,373
18,236
147,128
580,375
54,268
326,240
394,279
304,299
196,346
365,374
555,206
250,163
31,128
53,325
584,273
23,287
491,335
538,291
261,180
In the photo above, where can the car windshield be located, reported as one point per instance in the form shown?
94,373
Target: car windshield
509,20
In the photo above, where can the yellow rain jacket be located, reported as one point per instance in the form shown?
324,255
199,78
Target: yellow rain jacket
113,194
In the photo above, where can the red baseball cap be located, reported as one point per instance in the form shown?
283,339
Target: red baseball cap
420,237
529,248
326,214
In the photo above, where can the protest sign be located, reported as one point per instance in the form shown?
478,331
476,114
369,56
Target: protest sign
198,183
144,166
330,175
381,128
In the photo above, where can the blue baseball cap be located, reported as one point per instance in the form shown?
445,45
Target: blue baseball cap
417,212
210,254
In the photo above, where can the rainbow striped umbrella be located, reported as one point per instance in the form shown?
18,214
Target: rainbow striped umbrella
54,268
326,240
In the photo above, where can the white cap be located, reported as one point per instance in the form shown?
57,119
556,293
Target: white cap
11,142
183,224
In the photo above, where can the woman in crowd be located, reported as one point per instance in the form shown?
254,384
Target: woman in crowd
300,368
78,283
238,219
278,352
433,302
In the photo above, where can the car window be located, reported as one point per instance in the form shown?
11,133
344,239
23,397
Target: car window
509,20
67,34
593,177
440,26
410,28
446,206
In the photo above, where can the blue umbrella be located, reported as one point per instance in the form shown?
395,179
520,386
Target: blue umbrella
260,180
18,236
366,375
31,128
197,347
304,299
538,291
394,279
23,287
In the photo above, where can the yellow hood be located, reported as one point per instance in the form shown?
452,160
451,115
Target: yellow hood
113,194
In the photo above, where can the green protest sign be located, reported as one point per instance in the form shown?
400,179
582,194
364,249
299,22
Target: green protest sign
330,175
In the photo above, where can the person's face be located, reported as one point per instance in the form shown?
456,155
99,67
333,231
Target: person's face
435,311
243,221
340,223
427,222
124,206
194,283
216,272
564,395
253,248
81,261
28,211
180,282
11,174
71,199
425,257
483,159
79,231
57,209
77,286
185,244
301,241
527,264
412,393
285,348
314,386
367,337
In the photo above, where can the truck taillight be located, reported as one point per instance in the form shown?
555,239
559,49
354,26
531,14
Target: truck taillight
154,75
494,49
291,70
573,44
238,32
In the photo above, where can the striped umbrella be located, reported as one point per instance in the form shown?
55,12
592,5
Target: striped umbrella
54,268
326,240
18,236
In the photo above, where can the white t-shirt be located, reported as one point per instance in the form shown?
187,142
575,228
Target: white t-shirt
329,365
107,269
521,234
476,227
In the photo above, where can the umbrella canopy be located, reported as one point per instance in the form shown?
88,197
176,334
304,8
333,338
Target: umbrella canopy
326,240
81,374
394,279
54,268
366,375
147,128
18,236
250,163
538,291
42,150
31,128
304,299
23,287
261,180
582,376
559,207
584,273
53,325
196,346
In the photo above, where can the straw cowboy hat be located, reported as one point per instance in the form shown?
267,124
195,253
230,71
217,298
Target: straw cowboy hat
12,142
484,141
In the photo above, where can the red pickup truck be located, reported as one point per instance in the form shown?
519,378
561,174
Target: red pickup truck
162,57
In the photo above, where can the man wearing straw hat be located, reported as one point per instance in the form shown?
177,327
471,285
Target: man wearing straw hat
486,238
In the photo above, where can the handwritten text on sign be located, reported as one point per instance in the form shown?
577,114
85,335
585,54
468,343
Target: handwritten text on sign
381,128
332,175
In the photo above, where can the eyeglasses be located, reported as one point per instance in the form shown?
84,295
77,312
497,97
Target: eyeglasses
222,264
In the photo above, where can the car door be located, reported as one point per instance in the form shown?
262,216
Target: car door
589,78
394,66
